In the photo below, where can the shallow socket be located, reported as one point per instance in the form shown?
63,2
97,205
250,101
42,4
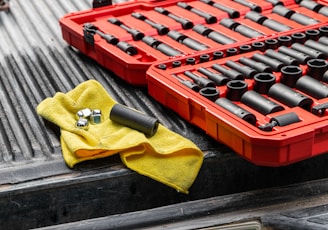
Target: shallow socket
235,89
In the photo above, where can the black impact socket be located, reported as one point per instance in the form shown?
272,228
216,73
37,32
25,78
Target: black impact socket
259,46
190,61
311,5
231,12
303,19
239,28
232,51
160,46
209,18
190,84
213,35
260,103
267,22
258,66
161,29
247,71
289,97
315,6
316,68
201,81
245,48
312,34
323,31
187,41
218,55
312,87
204,58
109,38
290,74
162,66
236,110
286,59
323,40
298,37
236,89
185,23
230,73
275,64
283,11
134,119
219,79
210,93
301,58
285,40
325,77
250,5
263,82
275,2
280,120
136,34
308,51
176,64
271,43
127,48
293,15
286,119
317,46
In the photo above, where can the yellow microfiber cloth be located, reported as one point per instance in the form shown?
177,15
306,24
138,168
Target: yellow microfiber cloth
166,157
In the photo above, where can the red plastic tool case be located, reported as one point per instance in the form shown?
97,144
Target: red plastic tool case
268,113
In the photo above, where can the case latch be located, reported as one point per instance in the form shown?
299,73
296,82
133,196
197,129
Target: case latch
320,109
88,33
100,3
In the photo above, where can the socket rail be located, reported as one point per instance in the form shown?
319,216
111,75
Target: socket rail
251,74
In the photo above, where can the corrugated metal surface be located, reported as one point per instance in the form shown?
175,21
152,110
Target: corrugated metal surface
35,63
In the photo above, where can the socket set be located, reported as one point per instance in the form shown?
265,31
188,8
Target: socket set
252,74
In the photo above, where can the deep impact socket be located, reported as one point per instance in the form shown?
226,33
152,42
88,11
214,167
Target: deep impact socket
236,110
185,23
201,81
187,41
231,12
239,28
210,19
213,35
250,5
267,22
161,29
160,46
293,15
315,6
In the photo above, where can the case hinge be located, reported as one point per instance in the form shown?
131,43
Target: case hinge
101,3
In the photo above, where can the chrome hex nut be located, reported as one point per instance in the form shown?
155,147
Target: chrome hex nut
84,113
96,116
82,123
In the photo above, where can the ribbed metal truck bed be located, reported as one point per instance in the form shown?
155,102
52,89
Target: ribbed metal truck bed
38,190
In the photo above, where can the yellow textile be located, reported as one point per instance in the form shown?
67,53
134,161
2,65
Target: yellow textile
166,157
